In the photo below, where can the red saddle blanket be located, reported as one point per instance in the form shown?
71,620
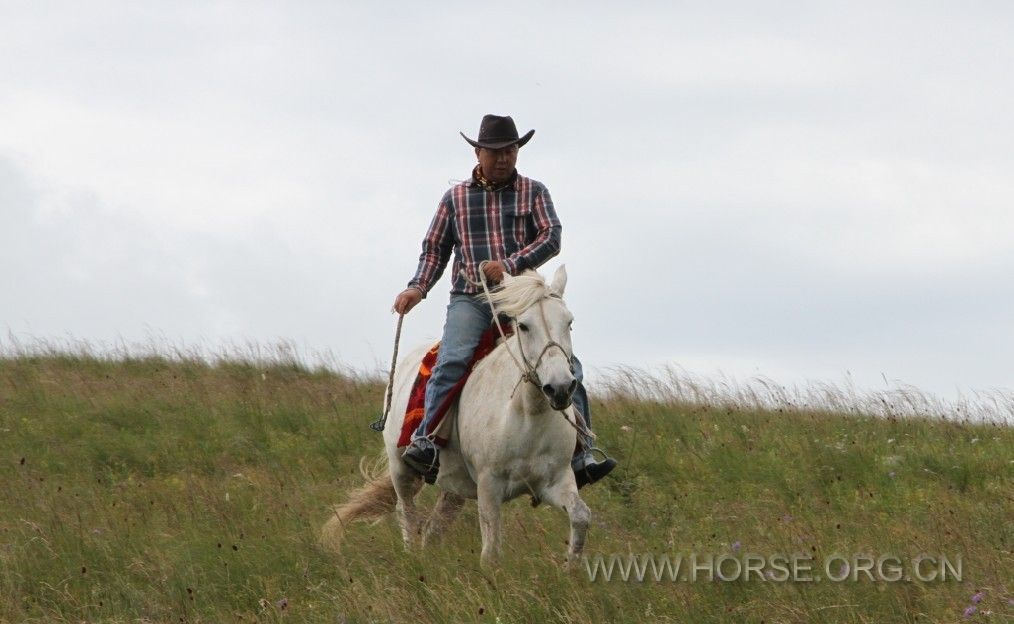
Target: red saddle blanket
417,399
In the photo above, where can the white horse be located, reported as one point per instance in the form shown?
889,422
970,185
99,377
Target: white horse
513,433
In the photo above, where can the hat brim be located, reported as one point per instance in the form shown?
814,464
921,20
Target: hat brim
520,141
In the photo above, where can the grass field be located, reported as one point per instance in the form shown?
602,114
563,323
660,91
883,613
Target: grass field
168,490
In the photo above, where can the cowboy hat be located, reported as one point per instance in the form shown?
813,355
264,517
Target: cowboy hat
497,132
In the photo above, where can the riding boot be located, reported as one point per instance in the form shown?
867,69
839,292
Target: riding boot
424,457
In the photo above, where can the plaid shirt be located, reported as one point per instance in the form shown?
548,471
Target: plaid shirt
515,224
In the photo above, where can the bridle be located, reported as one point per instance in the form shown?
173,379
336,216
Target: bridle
529,371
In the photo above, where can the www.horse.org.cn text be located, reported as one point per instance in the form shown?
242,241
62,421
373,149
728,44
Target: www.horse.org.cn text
779,568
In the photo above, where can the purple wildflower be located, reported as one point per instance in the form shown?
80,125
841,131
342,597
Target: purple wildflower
970,611
735,546
283,603
977,597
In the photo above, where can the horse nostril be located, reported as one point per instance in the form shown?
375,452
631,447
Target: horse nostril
573,387
548,390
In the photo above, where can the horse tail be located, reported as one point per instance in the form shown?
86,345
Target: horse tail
374,499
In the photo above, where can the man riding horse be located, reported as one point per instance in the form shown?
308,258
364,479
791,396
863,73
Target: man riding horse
506,223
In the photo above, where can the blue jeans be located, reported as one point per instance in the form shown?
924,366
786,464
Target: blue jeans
467,318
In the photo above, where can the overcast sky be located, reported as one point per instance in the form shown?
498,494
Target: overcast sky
788,189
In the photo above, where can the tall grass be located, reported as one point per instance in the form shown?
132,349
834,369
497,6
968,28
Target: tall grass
181,487
672,384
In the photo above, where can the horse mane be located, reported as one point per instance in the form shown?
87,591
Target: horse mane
521,292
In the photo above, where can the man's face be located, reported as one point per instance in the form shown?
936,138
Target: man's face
497,165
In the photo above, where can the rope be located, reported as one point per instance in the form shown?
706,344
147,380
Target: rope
378,425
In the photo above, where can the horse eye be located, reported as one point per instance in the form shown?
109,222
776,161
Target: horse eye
522,327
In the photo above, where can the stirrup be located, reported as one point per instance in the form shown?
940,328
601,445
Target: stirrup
592,450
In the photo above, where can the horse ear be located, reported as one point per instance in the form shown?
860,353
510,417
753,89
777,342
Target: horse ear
560,280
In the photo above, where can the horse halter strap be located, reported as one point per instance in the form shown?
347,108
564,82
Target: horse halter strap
530,372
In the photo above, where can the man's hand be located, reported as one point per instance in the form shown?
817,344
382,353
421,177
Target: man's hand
407,300
493,271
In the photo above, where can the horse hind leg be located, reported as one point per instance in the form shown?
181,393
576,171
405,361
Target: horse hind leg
568,499
444,513
406,485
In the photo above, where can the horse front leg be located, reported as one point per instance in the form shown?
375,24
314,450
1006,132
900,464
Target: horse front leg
565,496
490,500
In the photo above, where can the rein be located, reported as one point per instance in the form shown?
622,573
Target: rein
528,371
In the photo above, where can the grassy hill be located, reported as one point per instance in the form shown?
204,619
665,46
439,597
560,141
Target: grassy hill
155,490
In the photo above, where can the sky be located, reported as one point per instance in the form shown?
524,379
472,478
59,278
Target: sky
799,190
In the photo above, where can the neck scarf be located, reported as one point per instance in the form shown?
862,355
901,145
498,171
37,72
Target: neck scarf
489,185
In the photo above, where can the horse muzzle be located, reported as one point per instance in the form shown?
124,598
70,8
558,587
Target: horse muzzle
559,395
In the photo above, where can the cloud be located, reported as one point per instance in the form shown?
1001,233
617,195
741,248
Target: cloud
798,190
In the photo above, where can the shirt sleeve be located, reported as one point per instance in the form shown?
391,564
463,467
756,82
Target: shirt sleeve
547,237
436,249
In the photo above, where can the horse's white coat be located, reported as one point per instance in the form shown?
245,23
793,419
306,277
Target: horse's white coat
506,440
